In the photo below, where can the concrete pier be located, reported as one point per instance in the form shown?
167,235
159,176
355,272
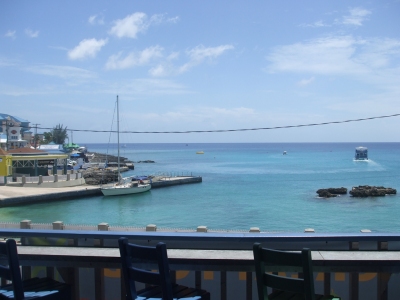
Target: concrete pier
18,195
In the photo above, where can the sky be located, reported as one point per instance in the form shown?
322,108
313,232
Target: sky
203,66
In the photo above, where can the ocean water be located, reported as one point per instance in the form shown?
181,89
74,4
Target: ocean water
244,185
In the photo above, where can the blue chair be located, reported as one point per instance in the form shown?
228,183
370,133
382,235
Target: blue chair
161,286
34,288
285,287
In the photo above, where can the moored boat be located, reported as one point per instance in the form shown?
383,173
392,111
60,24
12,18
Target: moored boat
124,186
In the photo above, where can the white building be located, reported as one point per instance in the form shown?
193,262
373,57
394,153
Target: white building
14,132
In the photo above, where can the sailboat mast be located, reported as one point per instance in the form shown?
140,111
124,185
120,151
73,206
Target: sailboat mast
119,175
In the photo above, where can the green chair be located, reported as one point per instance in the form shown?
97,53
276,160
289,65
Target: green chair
285,287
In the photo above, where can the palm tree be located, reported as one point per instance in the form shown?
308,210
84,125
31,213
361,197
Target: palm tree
57,135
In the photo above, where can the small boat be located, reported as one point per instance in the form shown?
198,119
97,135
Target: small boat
200,152
361,153
124,186
284,152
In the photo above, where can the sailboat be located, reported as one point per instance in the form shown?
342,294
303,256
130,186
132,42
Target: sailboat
124,186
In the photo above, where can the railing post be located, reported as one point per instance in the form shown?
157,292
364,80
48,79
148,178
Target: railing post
383,278
102,227
40,179
58,225
353,277
26,270
99,272
254,229
202,229
23,179
55,177
68,177
151,227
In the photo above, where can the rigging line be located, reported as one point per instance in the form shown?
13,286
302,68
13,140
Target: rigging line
242,129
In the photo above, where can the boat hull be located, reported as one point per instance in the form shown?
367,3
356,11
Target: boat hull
124,190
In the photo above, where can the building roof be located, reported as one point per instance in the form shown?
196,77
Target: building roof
3,152
5,116
25,150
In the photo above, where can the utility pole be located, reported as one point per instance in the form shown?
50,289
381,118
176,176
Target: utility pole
8,124
35,136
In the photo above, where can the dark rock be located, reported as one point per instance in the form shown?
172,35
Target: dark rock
95,176
371,191
324,193
331,192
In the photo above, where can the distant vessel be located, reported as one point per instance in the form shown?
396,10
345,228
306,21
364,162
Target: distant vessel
200,152
361,153
284,152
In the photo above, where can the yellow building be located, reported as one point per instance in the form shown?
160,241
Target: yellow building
5,163
30,162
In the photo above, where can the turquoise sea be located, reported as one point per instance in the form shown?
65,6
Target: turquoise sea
244,185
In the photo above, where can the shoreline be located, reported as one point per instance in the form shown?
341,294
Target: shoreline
17,195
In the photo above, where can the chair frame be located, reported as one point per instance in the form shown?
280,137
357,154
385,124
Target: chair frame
265,256
12,272
31,288
160,278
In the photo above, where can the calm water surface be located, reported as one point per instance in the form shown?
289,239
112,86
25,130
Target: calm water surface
244,185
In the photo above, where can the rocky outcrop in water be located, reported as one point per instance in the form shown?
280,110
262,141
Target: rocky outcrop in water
94,176
331,192
371,191
101,158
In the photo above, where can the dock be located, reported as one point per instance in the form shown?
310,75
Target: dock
18,195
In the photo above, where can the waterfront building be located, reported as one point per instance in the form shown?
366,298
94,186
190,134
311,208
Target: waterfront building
30,162
14,132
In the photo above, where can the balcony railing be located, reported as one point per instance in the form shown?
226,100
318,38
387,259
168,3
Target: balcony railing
354,266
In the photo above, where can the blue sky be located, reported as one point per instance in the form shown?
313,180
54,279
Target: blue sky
204,65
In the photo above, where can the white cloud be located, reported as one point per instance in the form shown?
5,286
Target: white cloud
31,33
86,48
200,53
173,20
11,34
96,20
130,26
134,59
305,82
65,72
316,24
357,16
138,22
373,61
330,55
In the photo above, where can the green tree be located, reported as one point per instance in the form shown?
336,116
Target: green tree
57,135
48,137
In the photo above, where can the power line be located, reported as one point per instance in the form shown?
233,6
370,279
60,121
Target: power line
234,130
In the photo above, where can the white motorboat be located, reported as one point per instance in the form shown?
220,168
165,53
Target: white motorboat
361,154
124,186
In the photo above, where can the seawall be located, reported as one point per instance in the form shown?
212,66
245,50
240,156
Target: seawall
18,195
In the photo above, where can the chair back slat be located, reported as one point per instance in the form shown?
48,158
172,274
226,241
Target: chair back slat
281,258
293,285
144,276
